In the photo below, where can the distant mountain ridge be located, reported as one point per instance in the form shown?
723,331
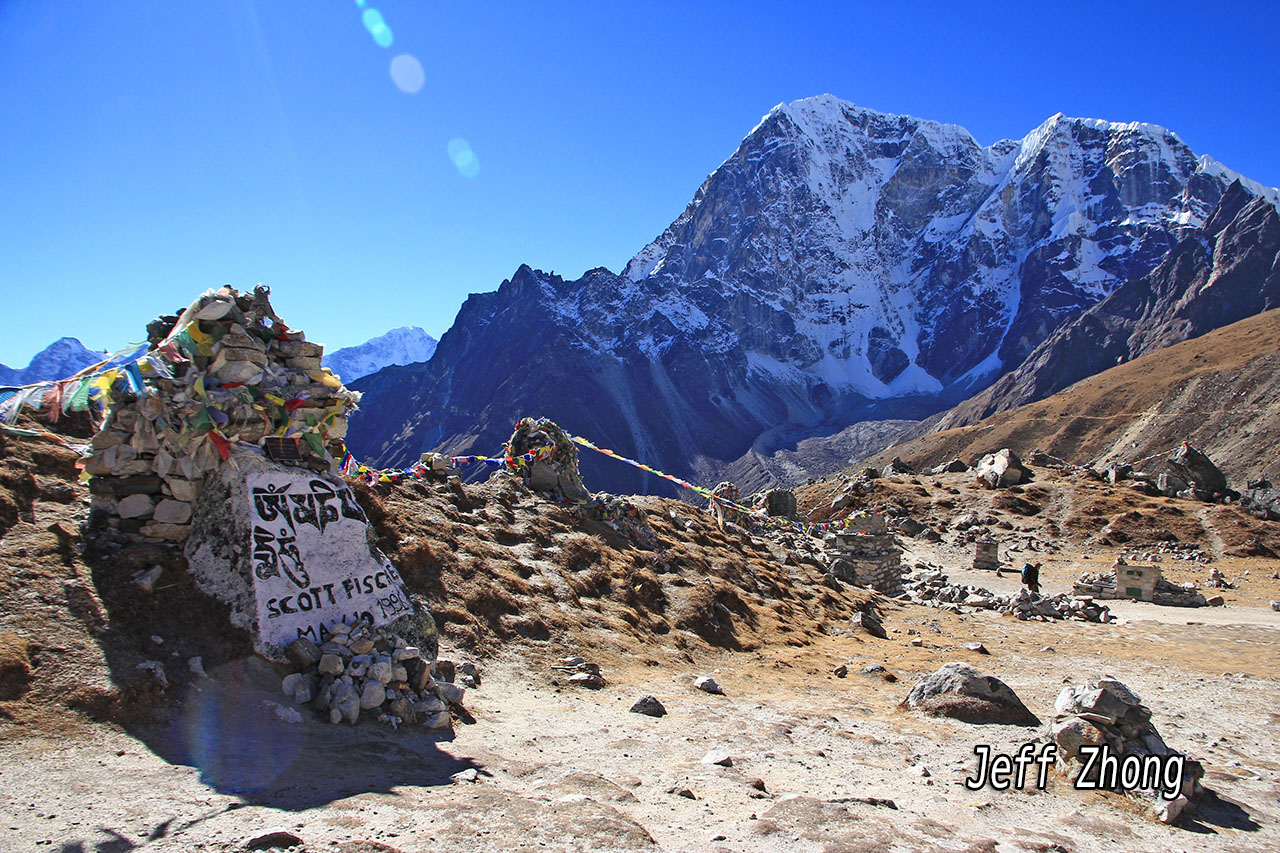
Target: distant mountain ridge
842,265
62,358
405,345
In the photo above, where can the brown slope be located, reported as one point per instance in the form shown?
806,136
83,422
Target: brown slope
1220,391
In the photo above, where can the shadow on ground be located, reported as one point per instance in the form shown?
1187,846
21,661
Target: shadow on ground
228,728
1212,812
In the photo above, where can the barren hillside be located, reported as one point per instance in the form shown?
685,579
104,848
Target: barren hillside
96,753
1221,392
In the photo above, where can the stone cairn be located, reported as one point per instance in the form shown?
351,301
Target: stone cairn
1143,583
865,554
776,503
1105,711
986,554
363,671
226,372
556,468
723,513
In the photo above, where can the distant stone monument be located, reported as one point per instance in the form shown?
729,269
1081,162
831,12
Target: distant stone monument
986,554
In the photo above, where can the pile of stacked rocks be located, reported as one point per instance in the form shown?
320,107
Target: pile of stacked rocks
933,588
226,372
555,469
363,671
1106,712
866,554
1044,608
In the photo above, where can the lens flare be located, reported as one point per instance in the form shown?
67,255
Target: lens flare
232,737
407,74
463,157
377,27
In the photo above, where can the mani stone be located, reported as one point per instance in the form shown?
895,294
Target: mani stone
986,554
961,692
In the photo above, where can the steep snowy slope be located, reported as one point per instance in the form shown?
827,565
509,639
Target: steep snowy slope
405,345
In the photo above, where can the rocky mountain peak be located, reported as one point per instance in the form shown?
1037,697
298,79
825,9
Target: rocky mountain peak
842,261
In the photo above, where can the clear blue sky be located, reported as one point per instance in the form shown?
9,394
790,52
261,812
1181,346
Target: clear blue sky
155,148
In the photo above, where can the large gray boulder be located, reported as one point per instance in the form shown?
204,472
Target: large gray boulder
999,469
961,692
1185,468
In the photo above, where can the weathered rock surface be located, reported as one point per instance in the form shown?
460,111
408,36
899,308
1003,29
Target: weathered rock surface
291,553
961,692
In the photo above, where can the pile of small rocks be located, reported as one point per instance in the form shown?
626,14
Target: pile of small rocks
865,554
227,371
363,671
1155,553
933,588
580,672
1046,608
1105,711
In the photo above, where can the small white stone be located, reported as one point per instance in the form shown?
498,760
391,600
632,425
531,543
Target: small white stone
719,758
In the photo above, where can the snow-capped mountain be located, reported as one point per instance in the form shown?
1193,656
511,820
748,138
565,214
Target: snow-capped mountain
405,345
62,358
842,265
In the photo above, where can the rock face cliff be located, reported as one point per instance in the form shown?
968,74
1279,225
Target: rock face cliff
1221,273
842,265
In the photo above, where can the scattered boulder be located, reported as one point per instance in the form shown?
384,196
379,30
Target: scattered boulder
707,684
649,706
1000,469
961,692
896,466
273,839
955,466
581,673
869,623
1184,472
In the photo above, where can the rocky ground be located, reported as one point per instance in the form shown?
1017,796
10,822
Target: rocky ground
96,755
